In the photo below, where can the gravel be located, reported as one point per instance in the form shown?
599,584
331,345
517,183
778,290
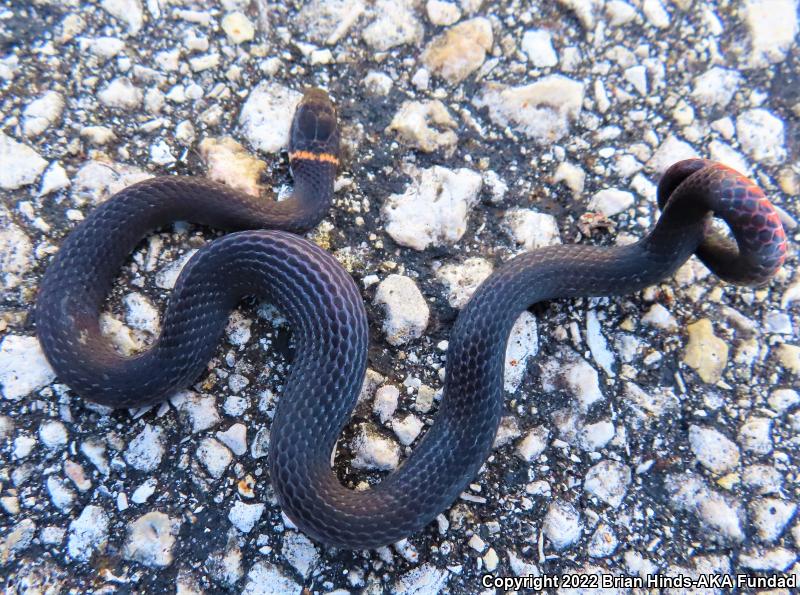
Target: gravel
654,432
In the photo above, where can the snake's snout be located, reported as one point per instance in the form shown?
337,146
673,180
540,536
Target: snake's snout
314,128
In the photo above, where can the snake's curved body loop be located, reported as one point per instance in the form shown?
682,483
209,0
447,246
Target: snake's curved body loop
329,323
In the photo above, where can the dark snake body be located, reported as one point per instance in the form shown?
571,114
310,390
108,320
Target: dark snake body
329,323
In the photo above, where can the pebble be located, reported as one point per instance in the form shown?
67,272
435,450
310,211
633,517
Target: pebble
637,77
537,45
151,539
300,552
224,566
406,311
761,135
562,524
771,516
99,178
669,152
783,399
522,346
572,175
462,279
385,404
395,24
22,165
603,542
18,539
129,12
716,87
789,357
373,451
425,125
53,435
235,438
328,21
407,429
140,314
266,579
593,437
765,479
542,111
378,83
16,255
619,13
442,13
23,367
23,445
245,516
424,579
755,435
713,450
608,481
719,514
533,444
143,492
576,375
42,113
122,94
656,14
145,451
199,412
238,27
98,135
659,317
531,229
266,116
706,353
434,208
214,457
55,178
88,533
773,26
61,495
777,559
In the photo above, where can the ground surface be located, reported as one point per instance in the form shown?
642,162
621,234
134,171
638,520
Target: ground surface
650,434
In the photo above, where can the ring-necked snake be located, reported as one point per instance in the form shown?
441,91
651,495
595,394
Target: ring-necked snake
329,322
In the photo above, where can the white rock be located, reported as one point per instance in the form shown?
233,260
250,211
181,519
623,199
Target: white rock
60,494
434,208
245,516
533,444
266,116
161,153
562,524
531,229
656,13
406,311
783,399
442,13
396,24
755,435
407,429
128,11
660,317
198,411
778,559
610,202
53,435
23,367
609,481
166,277
266,579
103,47
144,452
214,457
761,135
583,382
96,453
53,535
378,83
497,187
572,175
584,11
385,403
713,450
538,46
151,539
727,155
619,13
16,254
235,438
141,314
23,445
99,178
121,93
143,492
772,25
21,164
87,533
373,451
422,580
299,552
771,516
603,543
327,21
669,152
715,87
42,113
523,344
765,479
637,76
593,437
54,179
425,125
719,514
462,279
238,27
598,346
541,111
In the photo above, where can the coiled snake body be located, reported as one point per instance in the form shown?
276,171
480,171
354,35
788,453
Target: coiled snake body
329,323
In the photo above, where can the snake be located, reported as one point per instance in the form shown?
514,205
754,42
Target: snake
264,256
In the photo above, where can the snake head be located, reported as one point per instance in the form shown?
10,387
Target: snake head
315,132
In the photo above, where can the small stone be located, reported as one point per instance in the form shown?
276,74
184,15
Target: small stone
23,446
706,353
593,437
128,11
442,13
542,111
771,516
637,77
719,514
562,524
434,208
299,552
463,279
523,344
713,450
214,457
761,135
385,404
245,516
53,435
789,357
611,202
23,366
143,492
405,308
716,87
121,94
669,152
266,579
579,378
656,14
98,135
773,26
141,314
235,438
660,317
396,24
54,179
60,494
18,539
765,479
16,255
609,481
407,429
603,543
425,125
151,538
619,13
373,451
144,452
42,113
378,83
755,435
783,399
238,27
533,444
572,175
777,559
531,229
204,62
21,164
266,116
88,533
538,46
477,544
328,21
